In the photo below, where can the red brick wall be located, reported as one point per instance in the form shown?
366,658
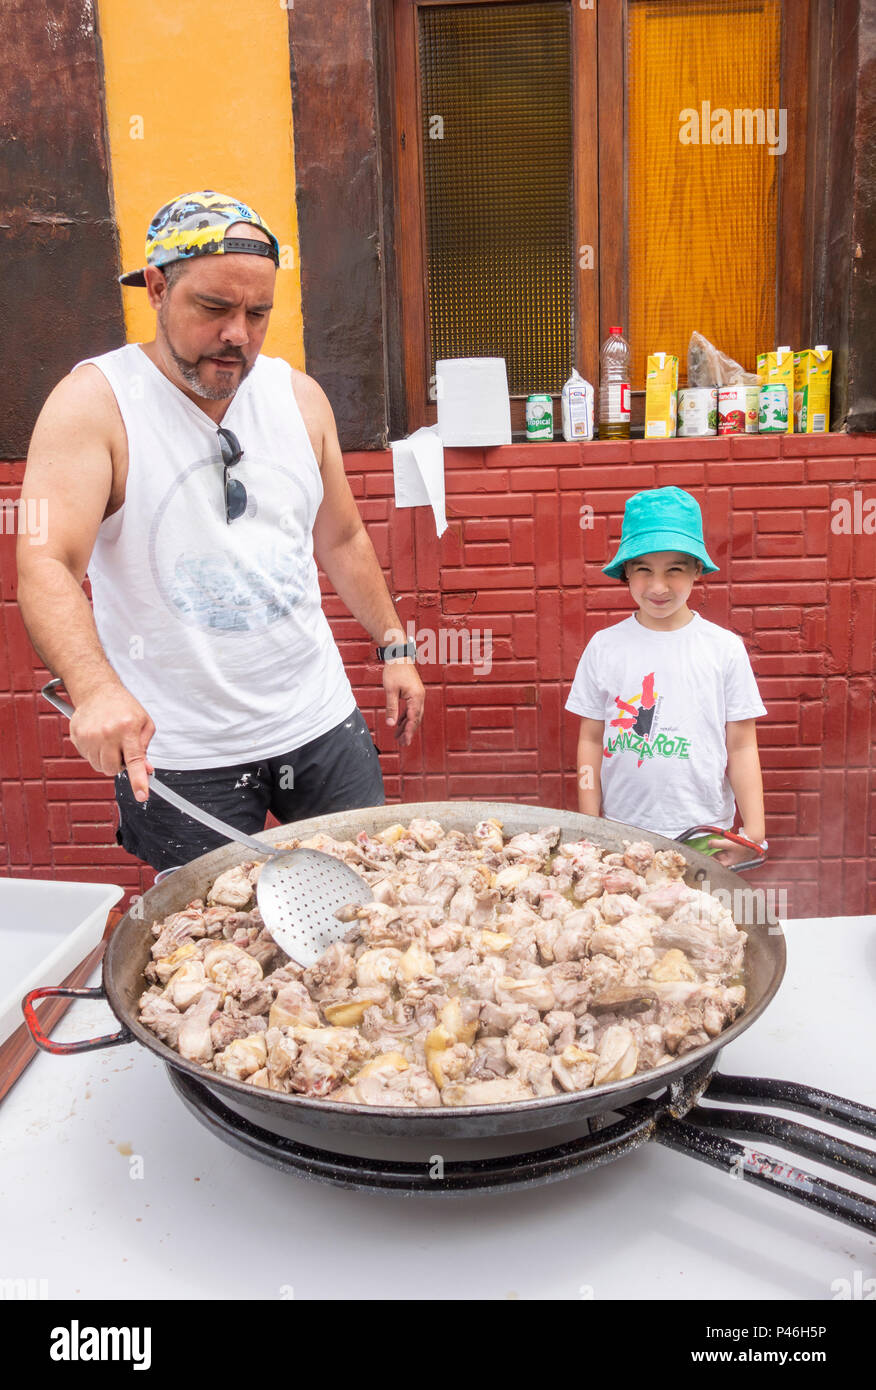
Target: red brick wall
516,560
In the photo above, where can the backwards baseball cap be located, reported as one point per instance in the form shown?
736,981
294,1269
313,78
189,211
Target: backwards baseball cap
194,224
666,518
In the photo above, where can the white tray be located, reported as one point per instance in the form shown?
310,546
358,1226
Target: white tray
46,928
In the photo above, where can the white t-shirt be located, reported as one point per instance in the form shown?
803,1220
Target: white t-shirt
665,698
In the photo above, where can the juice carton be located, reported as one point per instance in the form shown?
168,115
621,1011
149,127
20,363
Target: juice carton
661,396
777,369
812,390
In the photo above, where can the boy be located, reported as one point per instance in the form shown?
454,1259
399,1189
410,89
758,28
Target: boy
668,700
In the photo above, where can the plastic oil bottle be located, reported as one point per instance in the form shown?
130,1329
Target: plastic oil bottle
614,387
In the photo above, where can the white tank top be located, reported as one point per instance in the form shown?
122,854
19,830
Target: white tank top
217,629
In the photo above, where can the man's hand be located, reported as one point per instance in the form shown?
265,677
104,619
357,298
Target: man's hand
112,730
402,683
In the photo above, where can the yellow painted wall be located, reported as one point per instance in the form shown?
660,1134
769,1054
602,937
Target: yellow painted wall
198,96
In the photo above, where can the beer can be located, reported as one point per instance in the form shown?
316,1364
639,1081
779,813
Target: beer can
539,417
738,408
773,409
697,411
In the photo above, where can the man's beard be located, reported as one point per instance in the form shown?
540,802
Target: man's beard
189,371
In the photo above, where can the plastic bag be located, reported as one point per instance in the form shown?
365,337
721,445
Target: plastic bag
707,366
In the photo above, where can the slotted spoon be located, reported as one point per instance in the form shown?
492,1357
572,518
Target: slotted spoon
299,890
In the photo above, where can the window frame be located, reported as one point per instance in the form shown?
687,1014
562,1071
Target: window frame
600,189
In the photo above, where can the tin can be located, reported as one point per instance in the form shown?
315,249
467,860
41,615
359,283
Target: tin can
539,417
697,411
773,409
738,408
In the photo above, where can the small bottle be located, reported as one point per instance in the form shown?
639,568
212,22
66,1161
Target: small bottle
614,387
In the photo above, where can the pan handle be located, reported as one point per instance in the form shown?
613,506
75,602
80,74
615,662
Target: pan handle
65,1049
696,830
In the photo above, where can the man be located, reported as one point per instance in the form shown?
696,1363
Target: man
194,480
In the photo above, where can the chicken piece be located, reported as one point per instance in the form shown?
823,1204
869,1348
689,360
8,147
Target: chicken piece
638,856
216,917
618,1055
673,965
582,855
194,1041
427,833
186,985
575,940
708,938
450,964
613,906
553,906
625,940
168,966
502,1091
623,880
575,1067
265,950
546,936
487,834
496,1020
533,887
378,966
390,1080
283,1053
570,984
561,1028
590,885
490,1060
415,963
446,1060
162,1017
234,887
179,929
325,1057
479,981
537,846
346,1013
230,966
668,864
256,998
532,1068
447,936
332,973
241,1058
506,880
664,897
603,971
535,990
293,1005
535,1037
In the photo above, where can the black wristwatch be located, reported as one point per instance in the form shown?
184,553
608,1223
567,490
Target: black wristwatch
397,651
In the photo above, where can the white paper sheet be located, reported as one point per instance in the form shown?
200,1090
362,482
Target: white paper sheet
418,470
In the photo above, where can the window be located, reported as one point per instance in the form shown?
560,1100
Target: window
552,180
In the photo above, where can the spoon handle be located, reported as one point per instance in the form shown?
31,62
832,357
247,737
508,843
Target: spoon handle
229,832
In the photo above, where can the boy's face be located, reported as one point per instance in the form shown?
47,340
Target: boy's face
660,584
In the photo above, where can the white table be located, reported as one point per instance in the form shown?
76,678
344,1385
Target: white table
205,1221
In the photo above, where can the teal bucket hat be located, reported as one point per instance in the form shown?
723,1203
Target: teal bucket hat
666,518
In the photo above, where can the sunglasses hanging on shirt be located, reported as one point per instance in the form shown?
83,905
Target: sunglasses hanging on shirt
235,492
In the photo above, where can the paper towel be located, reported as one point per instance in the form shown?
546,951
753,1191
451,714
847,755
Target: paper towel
473,404
418,470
